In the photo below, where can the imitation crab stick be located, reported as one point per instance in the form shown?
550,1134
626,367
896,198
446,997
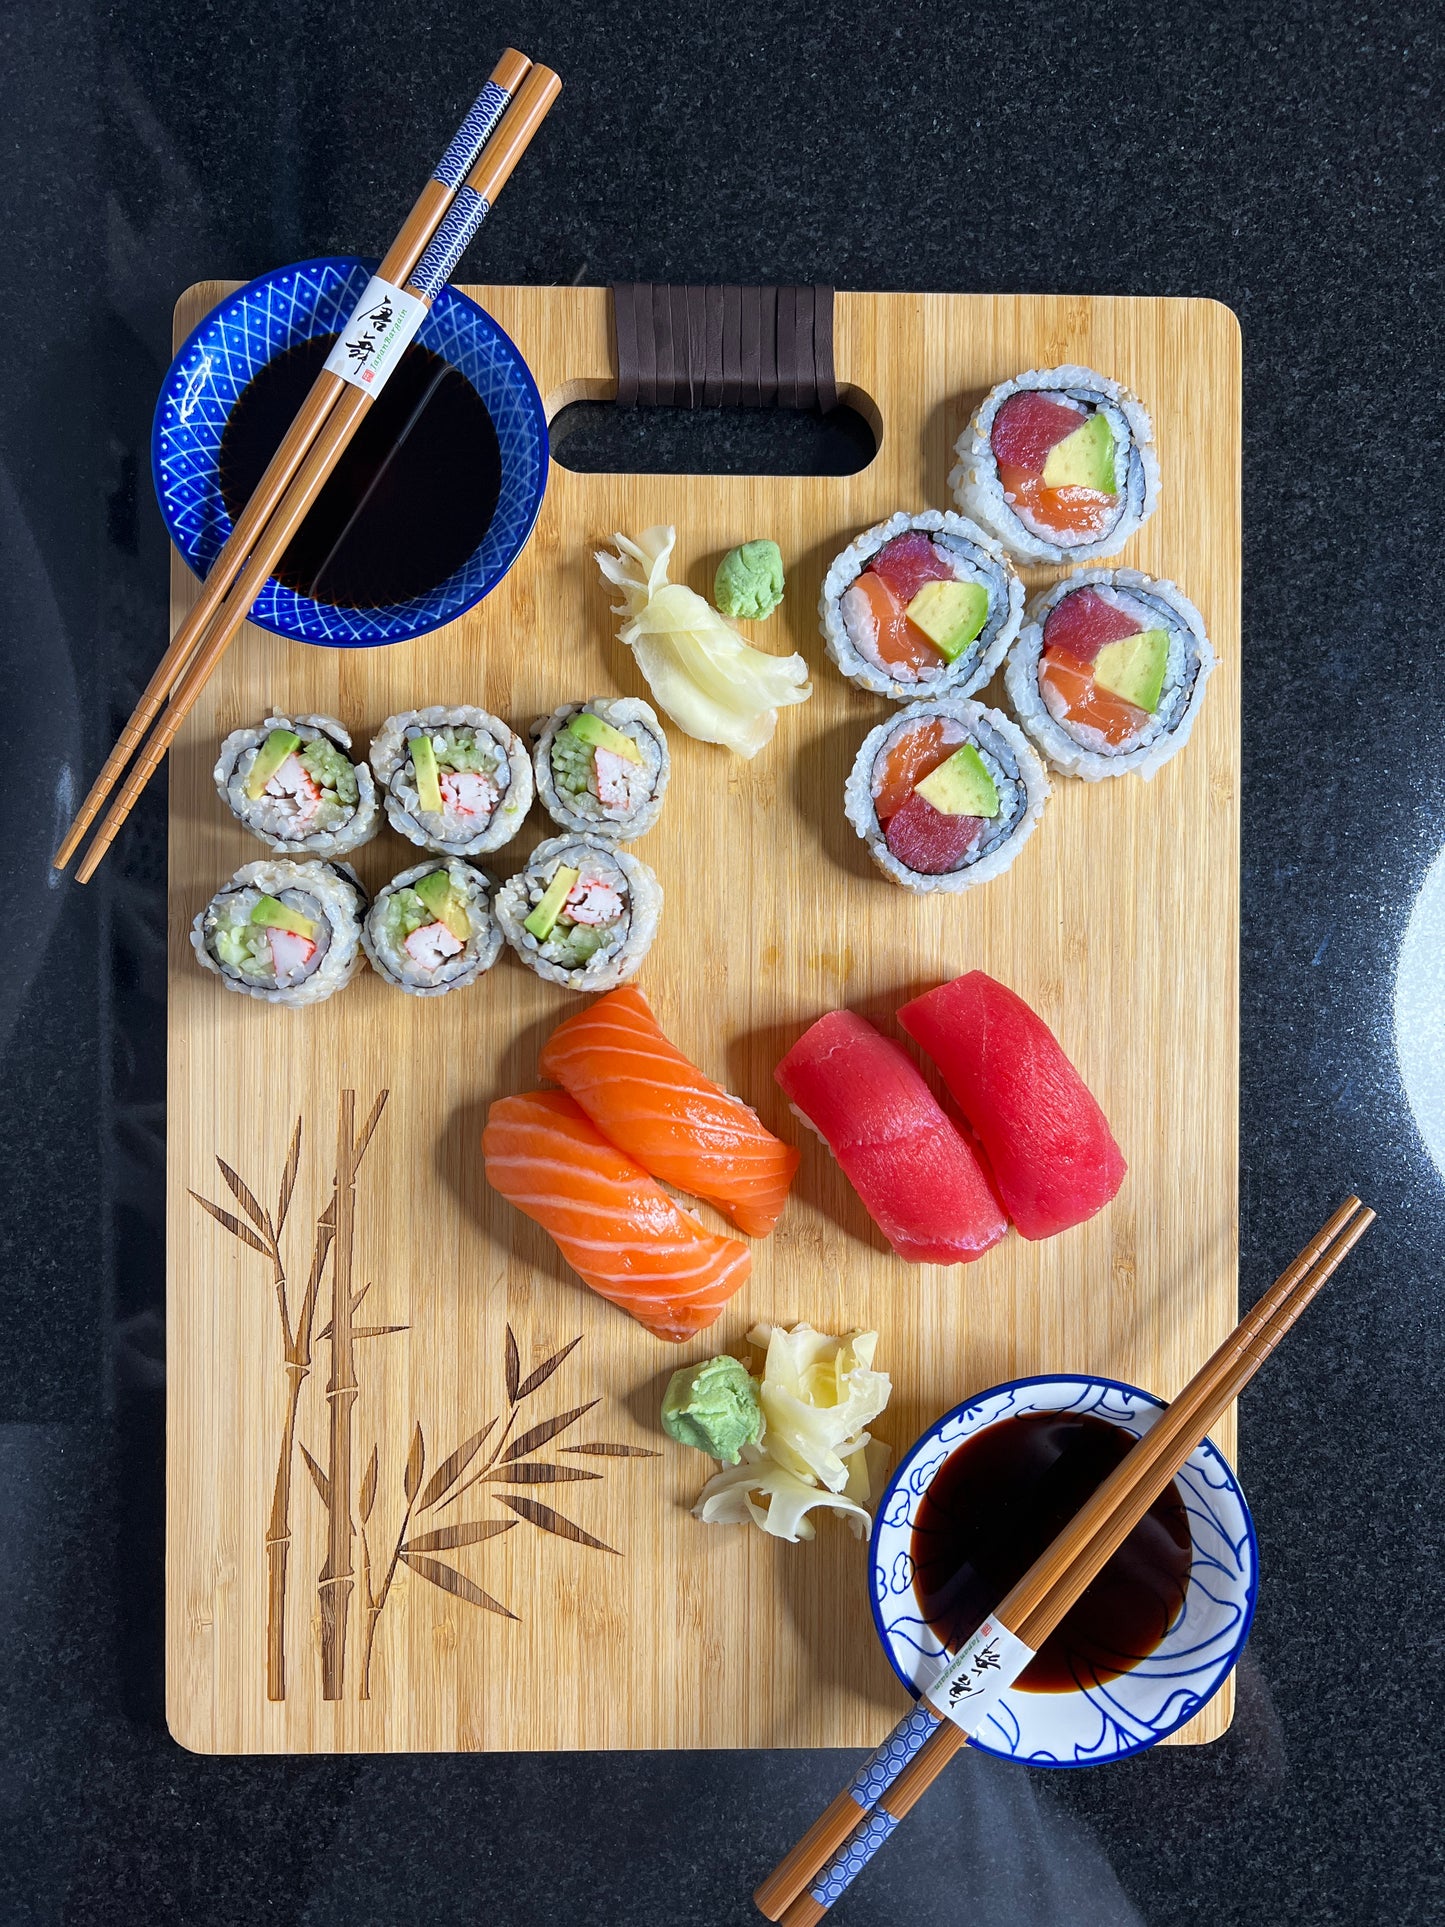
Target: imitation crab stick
651,1102
617,1229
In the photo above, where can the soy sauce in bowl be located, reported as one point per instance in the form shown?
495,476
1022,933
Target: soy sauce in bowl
409,501
996,1503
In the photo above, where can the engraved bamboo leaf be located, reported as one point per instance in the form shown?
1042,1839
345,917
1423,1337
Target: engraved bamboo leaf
528,1442
376,1331
448,1537
318,1478
455,1582
415,1464
534,1380
544,1517
233,1225
539,1472
369,1127
245,1197
602,1449
368,1487
451,1469
514,1367
288,1180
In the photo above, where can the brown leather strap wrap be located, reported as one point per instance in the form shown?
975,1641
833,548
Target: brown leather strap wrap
724,347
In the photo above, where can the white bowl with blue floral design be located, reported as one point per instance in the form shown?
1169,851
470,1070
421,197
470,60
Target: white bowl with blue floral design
1110,1720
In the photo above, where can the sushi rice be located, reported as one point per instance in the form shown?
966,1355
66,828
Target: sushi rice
485,779
974,557
274,964
1072,746
606,926
586,788
1013,765
978,491
411,947
318,802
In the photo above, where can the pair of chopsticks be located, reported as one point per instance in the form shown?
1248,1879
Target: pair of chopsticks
445,219
841,1842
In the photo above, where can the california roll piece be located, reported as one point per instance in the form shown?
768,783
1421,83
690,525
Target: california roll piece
921,605
1060,464
603,765
431,929
945,795
583,913
1108,673
288,933
293,783
457,781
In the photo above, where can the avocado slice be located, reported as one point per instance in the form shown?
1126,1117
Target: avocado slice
962,786
544,918
274,914
424,763
596,734
1084,459
437,894
950,614
270,756
1134,668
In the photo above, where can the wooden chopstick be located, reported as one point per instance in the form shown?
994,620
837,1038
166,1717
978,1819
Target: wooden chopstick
415,236
523,117
1051,1586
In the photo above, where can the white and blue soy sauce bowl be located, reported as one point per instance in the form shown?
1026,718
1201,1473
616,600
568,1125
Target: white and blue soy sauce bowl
263,320
1102,1720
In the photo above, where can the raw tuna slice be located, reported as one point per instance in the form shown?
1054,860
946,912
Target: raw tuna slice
1048,1145
1083,622
907,562
913,1168
1028,425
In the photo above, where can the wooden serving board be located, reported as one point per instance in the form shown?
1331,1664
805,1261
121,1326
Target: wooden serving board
1119,923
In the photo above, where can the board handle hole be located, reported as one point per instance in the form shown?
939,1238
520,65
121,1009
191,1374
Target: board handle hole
596,437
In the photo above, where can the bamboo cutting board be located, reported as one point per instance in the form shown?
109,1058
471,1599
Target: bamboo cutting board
611,1618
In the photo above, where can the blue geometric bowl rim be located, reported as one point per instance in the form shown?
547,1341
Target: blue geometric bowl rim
344,263
1207,1446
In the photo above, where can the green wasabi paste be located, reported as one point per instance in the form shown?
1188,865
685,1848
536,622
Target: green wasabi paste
749,582
713,1406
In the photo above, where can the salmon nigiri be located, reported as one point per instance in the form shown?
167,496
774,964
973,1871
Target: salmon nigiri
643,1094
616,1228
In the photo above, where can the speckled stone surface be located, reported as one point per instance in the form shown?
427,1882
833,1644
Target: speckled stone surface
1284,160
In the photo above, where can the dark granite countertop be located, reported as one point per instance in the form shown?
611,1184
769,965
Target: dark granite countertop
1283,160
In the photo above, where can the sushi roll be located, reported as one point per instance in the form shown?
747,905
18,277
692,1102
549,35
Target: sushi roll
288,933
602,765
583,913
432,930
292,782
1108,673
456,781
921,605
945,795
1060,464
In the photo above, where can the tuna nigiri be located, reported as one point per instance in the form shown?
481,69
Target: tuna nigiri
643,1094
1048,1145
616,1228
908,1161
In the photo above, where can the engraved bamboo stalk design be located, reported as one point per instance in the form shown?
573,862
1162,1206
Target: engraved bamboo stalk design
338,1576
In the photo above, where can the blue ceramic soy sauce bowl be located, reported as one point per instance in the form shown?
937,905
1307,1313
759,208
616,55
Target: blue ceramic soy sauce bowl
262,320
1157,1695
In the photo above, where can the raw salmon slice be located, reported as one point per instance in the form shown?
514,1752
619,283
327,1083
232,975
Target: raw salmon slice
1065,511
1048,1144
651,1102
619,1231
909,758
915,1171
1117,721
900,644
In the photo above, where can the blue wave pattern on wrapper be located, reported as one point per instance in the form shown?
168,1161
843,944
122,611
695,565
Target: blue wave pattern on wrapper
472,136
453,237
852,1857
885,1763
